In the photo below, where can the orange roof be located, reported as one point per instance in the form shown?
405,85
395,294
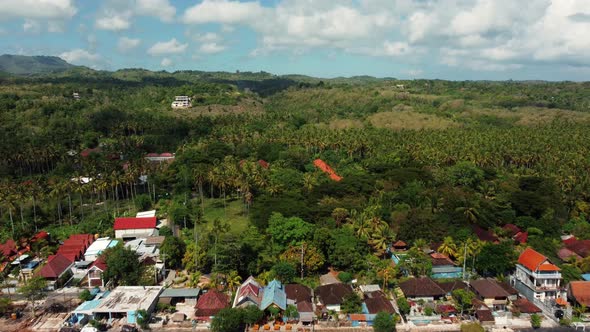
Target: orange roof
580,291
561,301
534,261
327,169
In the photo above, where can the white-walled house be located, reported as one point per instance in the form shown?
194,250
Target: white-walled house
181,102
97,247
135,228
536,277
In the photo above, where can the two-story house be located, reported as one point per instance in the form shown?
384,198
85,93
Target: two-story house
536,277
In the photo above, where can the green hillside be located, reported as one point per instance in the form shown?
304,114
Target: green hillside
30,65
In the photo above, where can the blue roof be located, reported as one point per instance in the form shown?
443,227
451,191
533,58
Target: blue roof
88,305
586,276
274,293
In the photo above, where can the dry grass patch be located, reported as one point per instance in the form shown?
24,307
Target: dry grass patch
345,124
410,120
528,116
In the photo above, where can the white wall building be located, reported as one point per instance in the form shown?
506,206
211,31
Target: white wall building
181,102
536,277
97,247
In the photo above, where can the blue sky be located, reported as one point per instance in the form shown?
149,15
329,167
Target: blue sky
447,39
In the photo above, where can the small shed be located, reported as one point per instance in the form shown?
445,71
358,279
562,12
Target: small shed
173,296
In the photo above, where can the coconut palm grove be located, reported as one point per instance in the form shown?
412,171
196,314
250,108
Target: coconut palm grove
292,202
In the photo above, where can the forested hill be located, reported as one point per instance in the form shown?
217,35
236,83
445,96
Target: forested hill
29,65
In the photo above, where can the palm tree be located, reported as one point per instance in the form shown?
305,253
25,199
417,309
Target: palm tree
340,215
217,228
448,247
233,280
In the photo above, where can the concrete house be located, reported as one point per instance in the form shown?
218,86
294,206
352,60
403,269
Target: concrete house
134,228
536,277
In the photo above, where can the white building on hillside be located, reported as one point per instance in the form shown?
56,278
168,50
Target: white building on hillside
181,102
536,277
97,247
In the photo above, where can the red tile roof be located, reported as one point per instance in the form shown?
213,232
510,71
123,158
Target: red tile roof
511,229
484,235
100,263
580,247
400,244
580,291
135,223
8,248
377,302
534,261
211,303
526,307
358,317
327,169
40,235
421,287
263,163
56,265
521,237
565,254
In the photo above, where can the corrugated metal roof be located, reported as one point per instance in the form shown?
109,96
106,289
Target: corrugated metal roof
181,292
275,294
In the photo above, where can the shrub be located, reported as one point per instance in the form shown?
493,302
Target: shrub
472,327
535,321
345,277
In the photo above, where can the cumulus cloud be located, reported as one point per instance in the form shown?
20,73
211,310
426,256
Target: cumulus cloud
161,9
37,9
80,57
126,44
31,26
172,46
114,21
224,11
117,15
211,48
166,62
493,35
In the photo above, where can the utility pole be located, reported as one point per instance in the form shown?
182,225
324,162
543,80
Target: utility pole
301,260
464,260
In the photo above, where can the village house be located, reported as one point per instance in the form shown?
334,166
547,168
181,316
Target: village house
95,273
181,102
173,296
97,247
490,293
330,297
126,301
536,277
56,271
209,304
444,268
134,228
249,293
578,292
274,295
422,288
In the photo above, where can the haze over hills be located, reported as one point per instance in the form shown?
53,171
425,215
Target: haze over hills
30,65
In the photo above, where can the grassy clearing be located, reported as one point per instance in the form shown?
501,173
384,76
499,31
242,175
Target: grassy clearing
527,116
234,215
410,120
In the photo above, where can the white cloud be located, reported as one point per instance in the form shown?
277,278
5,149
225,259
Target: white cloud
211,48
37,9
80,56
166,62
161,9
126,44
56,26
31,26
172,46
224,11
208,37
117,15
114,21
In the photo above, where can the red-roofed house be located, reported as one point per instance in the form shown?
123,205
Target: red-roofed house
521,237
210,304
536,277
95,273
579,292
134,228
57,268
327,169
580,247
